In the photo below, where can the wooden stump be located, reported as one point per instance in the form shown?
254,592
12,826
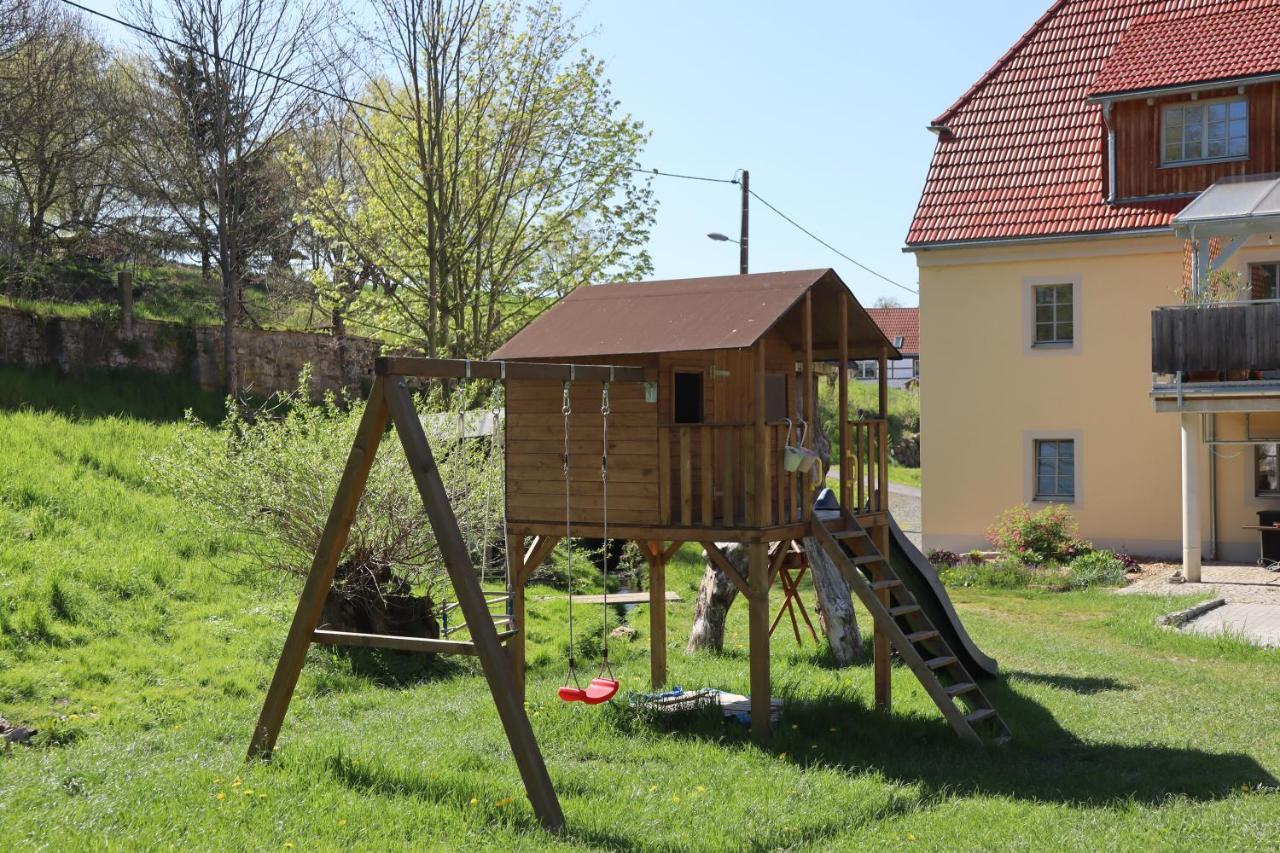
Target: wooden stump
835,606
716,594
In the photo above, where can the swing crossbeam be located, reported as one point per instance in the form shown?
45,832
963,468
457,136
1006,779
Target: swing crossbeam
461,368
403,644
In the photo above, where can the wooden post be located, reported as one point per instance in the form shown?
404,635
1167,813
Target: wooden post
657,614
124,279
845,490
329,550
471,601
515,583
758,621
810,404
883,649
760,511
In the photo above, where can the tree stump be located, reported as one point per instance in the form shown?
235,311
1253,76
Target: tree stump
715,596
835,606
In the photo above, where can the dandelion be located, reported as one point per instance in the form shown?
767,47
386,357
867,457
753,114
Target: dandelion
911,837
248,792
675,798
702,789
342,821
236,783
94,709
474,801
288,845
652,788
74,717
219,796
505,801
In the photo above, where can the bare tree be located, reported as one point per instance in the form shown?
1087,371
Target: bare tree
55,138
491,171
218,101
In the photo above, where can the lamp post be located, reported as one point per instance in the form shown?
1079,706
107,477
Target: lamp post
744,183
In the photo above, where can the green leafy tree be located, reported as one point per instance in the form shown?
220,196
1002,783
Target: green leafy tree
489,172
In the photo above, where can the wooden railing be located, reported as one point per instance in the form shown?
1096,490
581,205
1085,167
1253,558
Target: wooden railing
866,488
1231,336
709,475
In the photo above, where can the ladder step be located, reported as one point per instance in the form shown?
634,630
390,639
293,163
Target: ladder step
866,559
921,636
903,610
889,584
961,688
979,715
851,533
939,663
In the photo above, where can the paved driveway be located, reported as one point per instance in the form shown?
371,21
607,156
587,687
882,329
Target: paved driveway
1252,595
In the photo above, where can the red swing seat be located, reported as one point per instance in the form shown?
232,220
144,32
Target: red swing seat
599,690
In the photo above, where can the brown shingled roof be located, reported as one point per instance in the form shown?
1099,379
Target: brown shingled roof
720,312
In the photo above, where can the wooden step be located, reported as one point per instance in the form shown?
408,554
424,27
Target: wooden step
866,559
851,533
939,663
961,688
921,636
903,610
887,584
979,715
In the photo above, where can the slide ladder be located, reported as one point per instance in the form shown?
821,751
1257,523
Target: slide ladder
870,576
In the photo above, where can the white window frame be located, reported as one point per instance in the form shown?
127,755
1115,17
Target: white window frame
1204,157
1030,444
1049,350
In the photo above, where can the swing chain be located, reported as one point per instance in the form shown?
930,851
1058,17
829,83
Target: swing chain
604,517
566,409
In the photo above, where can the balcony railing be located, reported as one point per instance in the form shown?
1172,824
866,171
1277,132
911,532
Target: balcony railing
867,488
1207,341
709,476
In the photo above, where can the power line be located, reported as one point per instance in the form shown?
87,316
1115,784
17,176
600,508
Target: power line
818,239
329,93
316,90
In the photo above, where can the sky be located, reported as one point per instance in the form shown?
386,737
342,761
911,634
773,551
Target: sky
824,102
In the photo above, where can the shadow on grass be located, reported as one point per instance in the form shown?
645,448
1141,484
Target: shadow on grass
142,396
457,790
1085,686
1044,762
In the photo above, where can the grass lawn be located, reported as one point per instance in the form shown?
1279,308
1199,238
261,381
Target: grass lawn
142,647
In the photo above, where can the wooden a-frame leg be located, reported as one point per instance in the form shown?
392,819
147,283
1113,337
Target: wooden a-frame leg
471,601
515,583
320,578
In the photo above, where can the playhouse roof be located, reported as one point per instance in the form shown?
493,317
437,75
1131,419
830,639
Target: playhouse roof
680,315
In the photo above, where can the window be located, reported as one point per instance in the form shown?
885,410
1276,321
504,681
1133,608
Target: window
1055,317
1264,281
898,341
1266,470
867,369
775,396
1055,469
687,397
1208,130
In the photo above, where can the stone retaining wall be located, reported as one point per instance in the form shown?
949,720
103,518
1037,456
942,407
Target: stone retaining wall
269,361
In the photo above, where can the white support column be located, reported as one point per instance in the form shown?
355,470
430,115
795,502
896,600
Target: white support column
1191,444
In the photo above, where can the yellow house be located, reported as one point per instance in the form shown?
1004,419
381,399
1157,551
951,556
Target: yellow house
1109,169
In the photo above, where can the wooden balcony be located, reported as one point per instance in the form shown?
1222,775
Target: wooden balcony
866,487
1203,341
710,477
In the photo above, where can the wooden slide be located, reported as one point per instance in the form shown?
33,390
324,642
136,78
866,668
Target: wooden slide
919,576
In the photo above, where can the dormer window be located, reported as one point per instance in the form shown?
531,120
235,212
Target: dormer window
898,342
1204,130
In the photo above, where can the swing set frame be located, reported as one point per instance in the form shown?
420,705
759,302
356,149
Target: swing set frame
390,401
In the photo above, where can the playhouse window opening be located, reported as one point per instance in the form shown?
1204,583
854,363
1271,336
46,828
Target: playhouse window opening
775,396
687,394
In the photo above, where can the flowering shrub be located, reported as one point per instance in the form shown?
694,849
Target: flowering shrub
1129,562
1048,536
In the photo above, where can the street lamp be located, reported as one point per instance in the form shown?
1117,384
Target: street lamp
717,236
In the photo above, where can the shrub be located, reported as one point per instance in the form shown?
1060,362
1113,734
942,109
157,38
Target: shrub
1097,568
942,558
1008,573
1048,536
266,479
1129,562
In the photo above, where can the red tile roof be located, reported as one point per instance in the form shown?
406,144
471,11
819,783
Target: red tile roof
899,322
1021,153
1169,51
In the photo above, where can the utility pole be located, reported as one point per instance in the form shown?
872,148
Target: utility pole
742,237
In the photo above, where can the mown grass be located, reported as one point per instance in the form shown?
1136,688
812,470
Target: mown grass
141,647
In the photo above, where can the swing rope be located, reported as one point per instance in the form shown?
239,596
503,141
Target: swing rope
566,410
604,487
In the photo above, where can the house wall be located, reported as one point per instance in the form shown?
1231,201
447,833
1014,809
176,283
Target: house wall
985,394
1137,123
